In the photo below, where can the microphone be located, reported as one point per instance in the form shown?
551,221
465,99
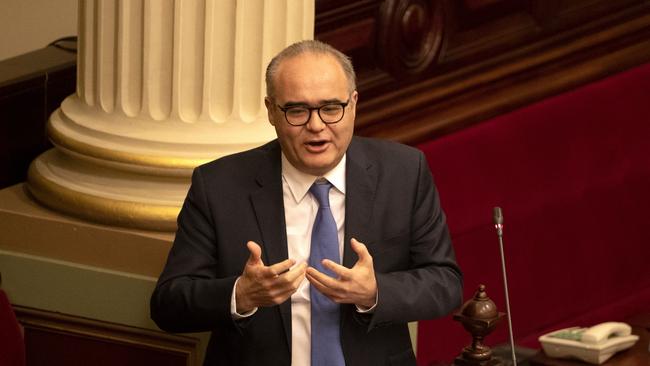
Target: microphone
498,220
498,224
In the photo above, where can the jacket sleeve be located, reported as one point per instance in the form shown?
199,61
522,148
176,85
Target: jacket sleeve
189,295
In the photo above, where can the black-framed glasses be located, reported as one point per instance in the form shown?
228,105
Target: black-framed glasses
299,115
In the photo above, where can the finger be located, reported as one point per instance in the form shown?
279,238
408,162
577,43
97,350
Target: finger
290,282
299,276
321,287
256,253
323,278
295,272
282,267
361,250
339,270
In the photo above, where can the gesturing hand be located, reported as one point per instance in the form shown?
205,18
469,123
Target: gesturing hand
356,285
260,285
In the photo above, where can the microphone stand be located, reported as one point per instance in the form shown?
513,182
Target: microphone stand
498,224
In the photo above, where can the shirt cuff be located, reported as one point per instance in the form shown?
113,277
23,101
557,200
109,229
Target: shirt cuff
371,309
233,305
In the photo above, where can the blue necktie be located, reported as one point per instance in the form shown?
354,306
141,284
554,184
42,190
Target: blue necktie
325,340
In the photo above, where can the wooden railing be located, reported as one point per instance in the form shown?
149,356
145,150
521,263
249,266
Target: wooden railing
57,339
426,68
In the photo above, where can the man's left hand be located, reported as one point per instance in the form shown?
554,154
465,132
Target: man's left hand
356,285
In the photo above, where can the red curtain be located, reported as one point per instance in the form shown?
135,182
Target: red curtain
572,174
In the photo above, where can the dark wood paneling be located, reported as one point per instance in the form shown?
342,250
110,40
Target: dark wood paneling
32,86
56,339
429,67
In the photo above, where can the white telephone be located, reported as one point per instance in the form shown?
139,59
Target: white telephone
594,345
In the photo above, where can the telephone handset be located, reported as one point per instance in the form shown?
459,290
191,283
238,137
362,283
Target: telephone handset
601,332
594,345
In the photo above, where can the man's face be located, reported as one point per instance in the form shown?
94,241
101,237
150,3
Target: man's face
312,80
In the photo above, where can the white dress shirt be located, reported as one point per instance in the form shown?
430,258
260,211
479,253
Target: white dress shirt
300,210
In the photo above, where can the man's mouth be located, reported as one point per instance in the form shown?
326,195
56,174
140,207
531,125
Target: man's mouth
317,143
316,146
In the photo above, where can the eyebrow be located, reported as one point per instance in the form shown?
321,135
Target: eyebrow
305,104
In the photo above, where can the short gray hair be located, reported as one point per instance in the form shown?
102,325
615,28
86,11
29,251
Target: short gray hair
314,47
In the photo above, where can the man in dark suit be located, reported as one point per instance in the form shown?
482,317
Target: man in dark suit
249,226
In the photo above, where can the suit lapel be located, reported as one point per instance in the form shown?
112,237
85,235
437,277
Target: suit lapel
361,181
269,210
360,185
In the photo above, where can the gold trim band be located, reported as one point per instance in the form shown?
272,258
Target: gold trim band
99,209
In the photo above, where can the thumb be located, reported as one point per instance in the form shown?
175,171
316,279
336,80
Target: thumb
256,253
361,250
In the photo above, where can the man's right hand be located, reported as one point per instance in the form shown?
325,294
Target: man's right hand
260,285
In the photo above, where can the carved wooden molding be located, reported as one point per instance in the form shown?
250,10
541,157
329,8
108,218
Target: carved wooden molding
409,35
492,56
99,331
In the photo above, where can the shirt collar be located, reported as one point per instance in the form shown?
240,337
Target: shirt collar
300,182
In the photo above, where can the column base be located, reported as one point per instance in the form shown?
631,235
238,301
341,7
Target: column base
104,195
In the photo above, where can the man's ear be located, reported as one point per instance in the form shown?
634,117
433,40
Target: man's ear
269,110
353,98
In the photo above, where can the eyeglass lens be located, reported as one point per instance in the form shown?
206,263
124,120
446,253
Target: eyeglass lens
329,113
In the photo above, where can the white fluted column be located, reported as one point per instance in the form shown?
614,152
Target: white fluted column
162,86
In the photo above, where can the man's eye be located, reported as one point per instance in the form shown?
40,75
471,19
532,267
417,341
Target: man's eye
296,111
331,108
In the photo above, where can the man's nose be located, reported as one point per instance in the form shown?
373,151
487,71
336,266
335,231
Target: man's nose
315,123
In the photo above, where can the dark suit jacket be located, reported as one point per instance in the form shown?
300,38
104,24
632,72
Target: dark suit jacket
391,206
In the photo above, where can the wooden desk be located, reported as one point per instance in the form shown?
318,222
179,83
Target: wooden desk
638,355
